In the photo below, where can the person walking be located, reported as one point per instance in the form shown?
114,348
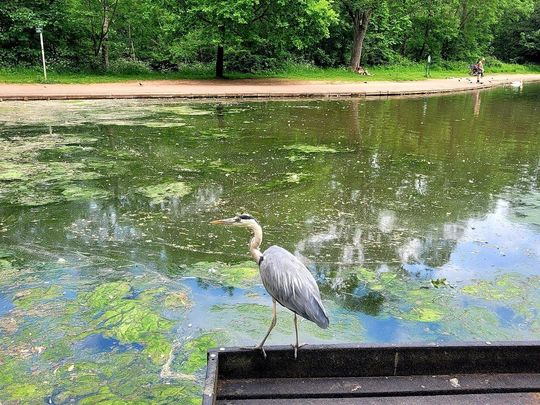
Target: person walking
479,69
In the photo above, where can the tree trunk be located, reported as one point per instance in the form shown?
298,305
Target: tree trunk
105,31
219,62
219,55
131,45
360,26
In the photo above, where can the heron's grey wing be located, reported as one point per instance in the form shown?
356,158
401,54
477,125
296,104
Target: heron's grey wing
291,284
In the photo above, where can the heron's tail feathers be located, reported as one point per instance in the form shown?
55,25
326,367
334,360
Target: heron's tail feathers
323,323
318,314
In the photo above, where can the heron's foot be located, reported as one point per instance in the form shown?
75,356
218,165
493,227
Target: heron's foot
296,347
261,348
254,348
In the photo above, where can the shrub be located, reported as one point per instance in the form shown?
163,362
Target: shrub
129,66
244,61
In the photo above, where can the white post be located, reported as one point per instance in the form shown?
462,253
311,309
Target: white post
40,31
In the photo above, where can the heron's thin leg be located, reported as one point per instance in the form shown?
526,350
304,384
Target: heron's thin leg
296,331
297,345
272,324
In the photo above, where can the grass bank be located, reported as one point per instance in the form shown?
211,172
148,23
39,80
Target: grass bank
411,71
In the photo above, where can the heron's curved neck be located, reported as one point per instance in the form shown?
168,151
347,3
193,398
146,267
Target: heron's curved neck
255,242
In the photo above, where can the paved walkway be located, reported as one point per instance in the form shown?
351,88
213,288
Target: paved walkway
254,88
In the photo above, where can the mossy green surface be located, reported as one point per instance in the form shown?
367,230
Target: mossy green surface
194,351
503,288
241,275
406,300
27,179
160,193
129,319
72,193
305,148
28,298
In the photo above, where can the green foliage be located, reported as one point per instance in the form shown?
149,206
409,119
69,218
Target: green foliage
129,67
517,38
141,38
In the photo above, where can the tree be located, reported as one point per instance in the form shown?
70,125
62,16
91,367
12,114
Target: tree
97,18
359,12
223,23
517,35
19,43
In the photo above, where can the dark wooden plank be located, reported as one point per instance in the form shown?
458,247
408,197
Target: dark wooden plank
210,384
470,399
373,386
380,360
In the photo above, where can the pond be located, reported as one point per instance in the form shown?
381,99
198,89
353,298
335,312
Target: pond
419,218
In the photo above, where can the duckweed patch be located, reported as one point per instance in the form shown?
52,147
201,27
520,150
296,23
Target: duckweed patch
193,352
167,191
28,180
182,110
407,300
128,319
28,298
305,148
506,287
515,291
10,172
241,275
73,193
163,124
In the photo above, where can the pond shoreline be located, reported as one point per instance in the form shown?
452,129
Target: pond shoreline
251,88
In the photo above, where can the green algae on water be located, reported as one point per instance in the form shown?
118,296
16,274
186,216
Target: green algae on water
241,275
505,287
28,298
160,193
193,353
129,319
72,193
305,148
404,299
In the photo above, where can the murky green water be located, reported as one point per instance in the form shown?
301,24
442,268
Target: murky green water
419,217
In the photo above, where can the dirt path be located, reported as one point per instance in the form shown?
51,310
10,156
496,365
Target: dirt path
253,88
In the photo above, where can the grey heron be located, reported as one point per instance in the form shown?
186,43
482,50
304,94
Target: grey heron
286,279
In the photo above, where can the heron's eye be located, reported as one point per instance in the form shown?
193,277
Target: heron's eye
236,219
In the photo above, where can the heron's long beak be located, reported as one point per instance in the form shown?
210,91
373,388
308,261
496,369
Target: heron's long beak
227,221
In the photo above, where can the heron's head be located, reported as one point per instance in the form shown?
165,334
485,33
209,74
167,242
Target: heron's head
240,220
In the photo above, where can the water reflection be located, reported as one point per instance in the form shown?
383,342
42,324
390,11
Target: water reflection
378,197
